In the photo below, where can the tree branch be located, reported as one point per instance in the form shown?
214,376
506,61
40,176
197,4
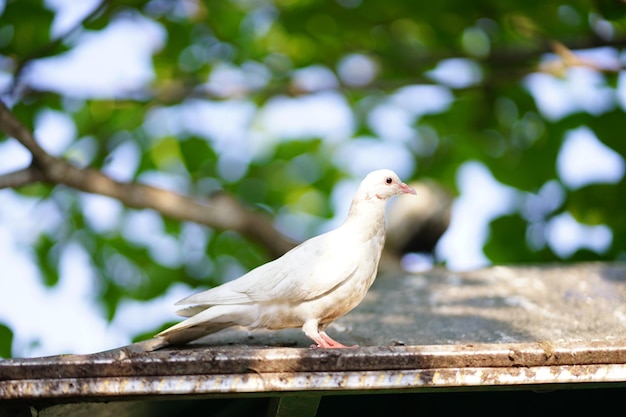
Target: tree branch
20,178
14,128
219,212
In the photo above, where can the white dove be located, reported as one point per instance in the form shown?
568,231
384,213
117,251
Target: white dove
310,286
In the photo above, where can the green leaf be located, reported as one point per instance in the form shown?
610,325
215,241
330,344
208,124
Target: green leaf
507,243
29,34
611,10
6,341
47,255
199,158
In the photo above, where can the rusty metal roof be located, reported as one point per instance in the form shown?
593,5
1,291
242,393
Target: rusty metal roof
274,370
498,327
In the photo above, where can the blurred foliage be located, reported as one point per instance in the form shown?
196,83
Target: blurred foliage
6,341
493,118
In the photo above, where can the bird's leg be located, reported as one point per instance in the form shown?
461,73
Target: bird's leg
311,330
322,340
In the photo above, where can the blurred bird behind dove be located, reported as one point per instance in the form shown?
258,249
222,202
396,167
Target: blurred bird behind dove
417,224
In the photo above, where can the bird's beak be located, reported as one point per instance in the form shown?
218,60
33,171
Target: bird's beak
406,189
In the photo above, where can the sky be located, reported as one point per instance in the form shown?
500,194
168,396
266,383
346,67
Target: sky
55,317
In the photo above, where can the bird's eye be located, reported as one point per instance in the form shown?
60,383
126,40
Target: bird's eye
389,180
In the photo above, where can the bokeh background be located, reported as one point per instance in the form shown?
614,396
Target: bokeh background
513,108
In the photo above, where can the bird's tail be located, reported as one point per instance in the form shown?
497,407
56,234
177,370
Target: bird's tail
206,321
149,345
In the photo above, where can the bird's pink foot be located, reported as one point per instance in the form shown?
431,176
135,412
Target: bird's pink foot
325,341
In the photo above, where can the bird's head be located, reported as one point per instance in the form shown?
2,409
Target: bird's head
383,184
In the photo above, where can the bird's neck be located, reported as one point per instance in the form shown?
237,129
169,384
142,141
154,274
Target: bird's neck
367,217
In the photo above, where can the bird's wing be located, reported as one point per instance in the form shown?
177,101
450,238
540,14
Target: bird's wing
308,271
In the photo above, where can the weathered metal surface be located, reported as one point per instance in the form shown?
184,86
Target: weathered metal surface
553,303
237,370
240,360
322,382
496,327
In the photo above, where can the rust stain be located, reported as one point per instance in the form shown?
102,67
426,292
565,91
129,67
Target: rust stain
159,387
381,378
233,385
435,377
326,380
363,380
180,384
122,387
399,378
